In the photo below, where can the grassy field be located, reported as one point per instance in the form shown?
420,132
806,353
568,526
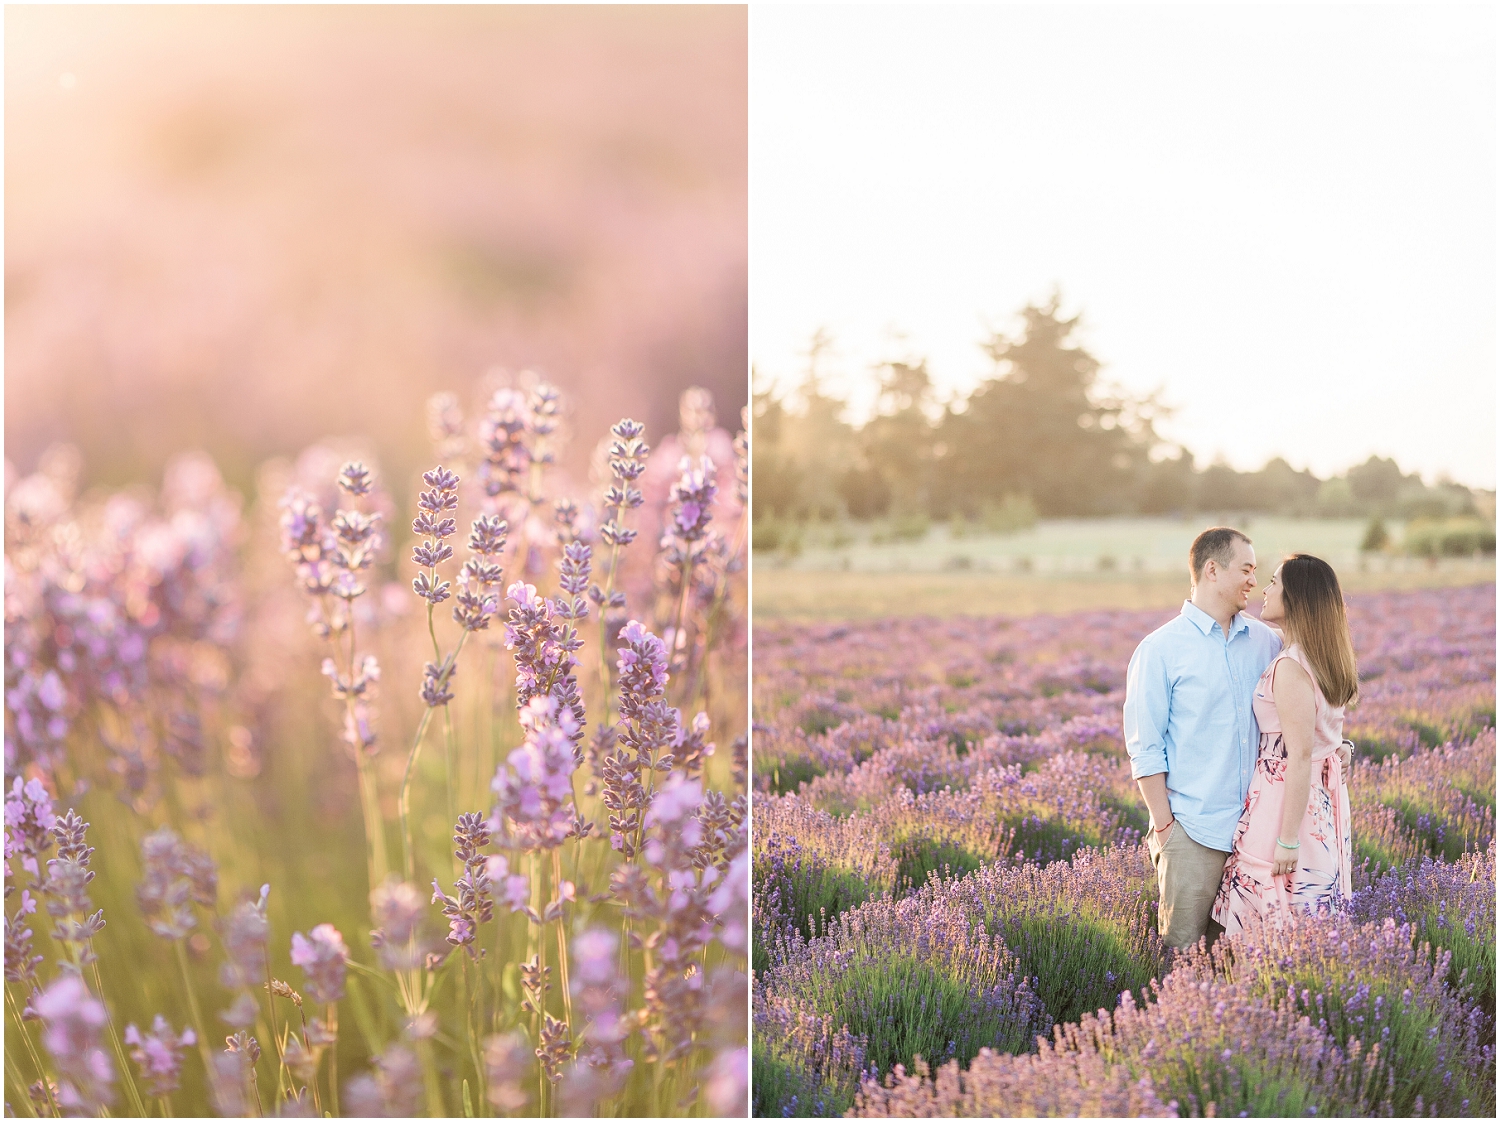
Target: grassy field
1058,566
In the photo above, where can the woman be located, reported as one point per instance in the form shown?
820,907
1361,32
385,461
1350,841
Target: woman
1292,847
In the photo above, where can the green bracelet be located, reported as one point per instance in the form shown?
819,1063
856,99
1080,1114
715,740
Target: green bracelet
1294,845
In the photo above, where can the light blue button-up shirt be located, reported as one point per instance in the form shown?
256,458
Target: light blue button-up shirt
1187,713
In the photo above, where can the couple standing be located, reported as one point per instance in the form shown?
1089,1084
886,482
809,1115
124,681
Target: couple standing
1235,735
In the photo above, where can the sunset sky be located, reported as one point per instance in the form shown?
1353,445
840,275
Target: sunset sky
1282,217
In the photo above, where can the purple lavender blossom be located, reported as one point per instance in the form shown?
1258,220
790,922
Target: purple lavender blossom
726,1089
506,1060
599,995
66,889
511,889
534,787
627,460
20,963
245,932
479,579
543,640
692,498
73,1023
159,1054
355,479
175,876
433,525
436,678
28,824
503,435
643,669
399,942
324,958
642,740
742,460
391,1090
472,905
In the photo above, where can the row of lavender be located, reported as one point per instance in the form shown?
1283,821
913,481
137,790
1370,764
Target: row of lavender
947,866
582,943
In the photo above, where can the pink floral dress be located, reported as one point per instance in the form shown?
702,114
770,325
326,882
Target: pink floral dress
1321,880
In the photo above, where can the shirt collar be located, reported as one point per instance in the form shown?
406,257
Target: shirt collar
1206,623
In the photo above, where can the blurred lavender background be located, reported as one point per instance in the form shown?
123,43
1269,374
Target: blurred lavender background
243,229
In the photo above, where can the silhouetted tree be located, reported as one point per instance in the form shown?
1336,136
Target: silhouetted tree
898,441
1042,427
802,454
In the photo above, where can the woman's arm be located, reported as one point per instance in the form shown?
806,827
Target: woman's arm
1292,687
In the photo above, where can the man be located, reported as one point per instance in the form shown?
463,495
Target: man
1190,730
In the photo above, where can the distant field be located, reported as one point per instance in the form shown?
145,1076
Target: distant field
1059,566
1072,545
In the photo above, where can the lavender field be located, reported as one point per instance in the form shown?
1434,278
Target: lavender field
382,796
954,913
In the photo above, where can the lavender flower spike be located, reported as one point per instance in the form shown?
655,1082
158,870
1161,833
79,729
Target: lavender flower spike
73,1023
354,479
599,997
506,1059
434,525
473,904
246,932
643,668
323,958
28,823
68,877
398,908
176,877
479,579
534,787
692,496
159,1054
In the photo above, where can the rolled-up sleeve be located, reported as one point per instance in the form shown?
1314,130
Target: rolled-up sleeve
1147,703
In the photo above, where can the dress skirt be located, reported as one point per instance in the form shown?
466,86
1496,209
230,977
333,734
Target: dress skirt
1320,882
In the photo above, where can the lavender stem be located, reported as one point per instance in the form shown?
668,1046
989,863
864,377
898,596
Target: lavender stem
187,985
36,1060
18,1082
369,798
331,1019
562,944
411,761
114,1036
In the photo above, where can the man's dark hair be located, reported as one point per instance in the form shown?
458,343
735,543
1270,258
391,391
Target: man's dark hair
1216,544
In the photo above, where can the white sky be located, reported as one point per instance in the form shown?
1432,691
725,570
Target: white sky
1284,216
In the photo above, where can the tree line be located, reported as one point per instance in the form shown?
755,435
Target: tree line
1040,434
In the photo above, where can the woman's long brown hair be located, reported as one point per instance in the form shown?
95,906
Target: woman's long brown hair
1315,620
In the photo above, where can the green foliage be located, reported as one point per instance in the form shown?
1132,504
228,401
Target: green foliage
1376,537
789,773
1358,1002
817,721
1080,964
814,889
1453,537
1010,515
770,533
911,1008
909,526
918,858
781,1087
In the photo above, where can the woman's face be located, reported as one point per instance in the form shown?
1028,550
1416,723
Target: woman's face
1272,611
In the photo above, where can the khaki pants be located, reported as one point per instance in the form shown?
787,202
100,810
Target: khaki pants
1187,878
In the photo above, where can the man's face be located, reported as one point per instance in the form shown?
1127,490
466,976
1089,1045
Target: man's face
1236,579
